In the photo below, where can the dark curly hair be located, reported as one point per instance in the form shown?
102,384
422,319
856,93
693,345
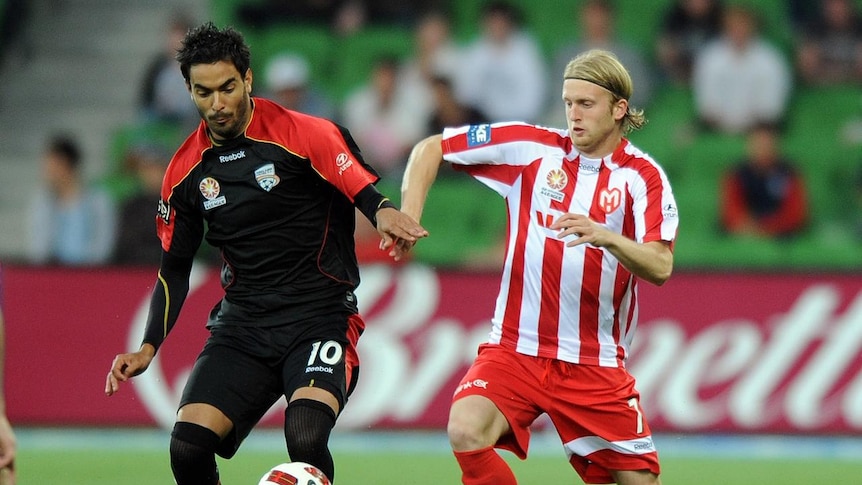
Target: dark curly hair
207,44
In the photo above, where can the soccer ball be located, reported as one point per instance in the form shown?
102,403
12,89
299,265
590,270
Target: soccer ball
294,473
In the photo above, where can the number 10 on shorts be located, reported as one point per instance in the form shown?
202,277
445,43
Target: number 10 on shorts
329,352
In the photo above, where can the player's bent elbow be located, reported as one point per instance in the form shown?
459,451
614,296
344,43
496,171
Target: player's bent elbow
659,278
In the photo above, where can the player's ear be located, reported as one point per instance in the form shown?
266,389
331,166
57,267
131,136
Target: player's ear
247,80
621,107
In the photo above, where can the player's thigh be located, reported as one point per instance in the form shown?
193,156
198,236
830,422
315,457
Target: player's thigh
231,376
322,365
511,382
635,477
598,417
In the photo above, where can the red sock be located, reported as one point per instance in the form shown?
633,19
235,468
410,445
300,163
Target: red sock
484,467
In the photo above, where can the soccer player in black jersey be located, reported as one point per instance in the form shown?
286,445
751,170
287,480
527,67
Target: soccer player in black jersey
277,191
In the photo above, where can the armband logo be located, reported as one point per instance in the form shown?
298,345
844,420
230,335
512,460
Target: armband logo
164,211
479,135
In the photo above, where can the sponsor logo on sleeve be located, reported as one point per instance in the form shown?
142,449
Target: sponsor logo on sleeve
479,135
343,162
266,177
164,211
669,211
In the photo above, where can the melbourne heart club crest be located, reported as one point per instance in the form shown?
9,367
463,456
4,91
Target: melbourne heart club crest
266,177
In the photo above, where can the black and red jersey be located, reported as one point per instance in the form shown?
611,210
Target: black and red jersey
278,202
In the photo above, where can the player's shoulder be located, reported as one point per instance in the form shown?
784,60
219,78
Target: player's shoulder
507,132
188,155
629,154
272,122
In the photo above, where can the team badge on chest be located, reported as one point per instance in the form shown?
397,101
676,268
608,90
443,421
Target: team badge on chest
266,177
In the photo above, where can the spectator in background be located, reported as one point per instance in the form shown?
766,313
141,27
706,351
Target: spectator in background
596,19
503,71
740,79
685,28
164,95
343,17
137,243
7,436
380,116
764,194
448,110
830,48
70,223
436,54
287,81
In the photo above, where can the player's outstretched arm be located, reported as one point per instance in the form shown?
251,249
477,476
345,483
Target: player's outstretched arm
169,294
421,172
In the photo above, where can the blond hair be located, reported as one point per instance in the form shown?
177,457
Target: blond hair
602,68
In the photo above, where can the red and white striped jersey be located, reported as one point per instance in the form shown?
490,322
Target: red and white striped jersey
576,304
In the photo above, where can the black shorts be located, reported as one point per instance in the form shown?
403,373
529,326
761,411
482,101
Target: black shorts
243,371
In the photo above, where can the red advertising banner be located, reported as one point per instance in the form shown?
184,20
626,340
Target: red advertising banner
713,352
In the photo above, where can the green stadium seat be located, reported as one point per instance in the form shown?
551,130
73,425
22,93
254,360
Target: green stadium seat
357,53
315,43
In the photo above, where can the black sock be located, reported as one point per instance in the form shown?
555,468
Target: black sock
193,454
307,425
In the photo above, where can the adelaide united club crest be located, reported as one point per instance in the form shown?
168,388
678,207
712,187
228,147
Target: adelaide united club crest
266,177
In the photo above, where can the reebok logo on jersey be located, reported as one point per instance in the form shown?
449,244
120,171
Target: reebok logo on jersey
232,157
266,177
478,135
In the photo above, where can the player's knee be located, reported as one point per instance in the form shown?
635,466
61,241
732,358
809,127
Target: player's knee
464,435
474,425
193,454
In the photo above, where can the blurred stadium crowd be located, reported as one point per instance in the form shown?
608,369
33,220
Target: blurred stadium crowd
754,109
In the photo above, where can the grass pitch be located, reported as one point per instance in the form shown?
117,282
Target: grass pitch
112,457
49,467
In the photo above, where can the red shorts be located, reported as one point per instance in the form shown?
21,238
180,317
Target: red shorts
595,409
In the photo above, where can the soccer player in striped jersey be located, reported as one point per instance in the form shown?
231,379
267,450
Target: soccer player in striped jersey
590,215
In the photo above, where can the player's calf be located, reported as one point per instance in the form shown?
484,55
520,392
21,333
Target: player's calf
307,426
193,454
